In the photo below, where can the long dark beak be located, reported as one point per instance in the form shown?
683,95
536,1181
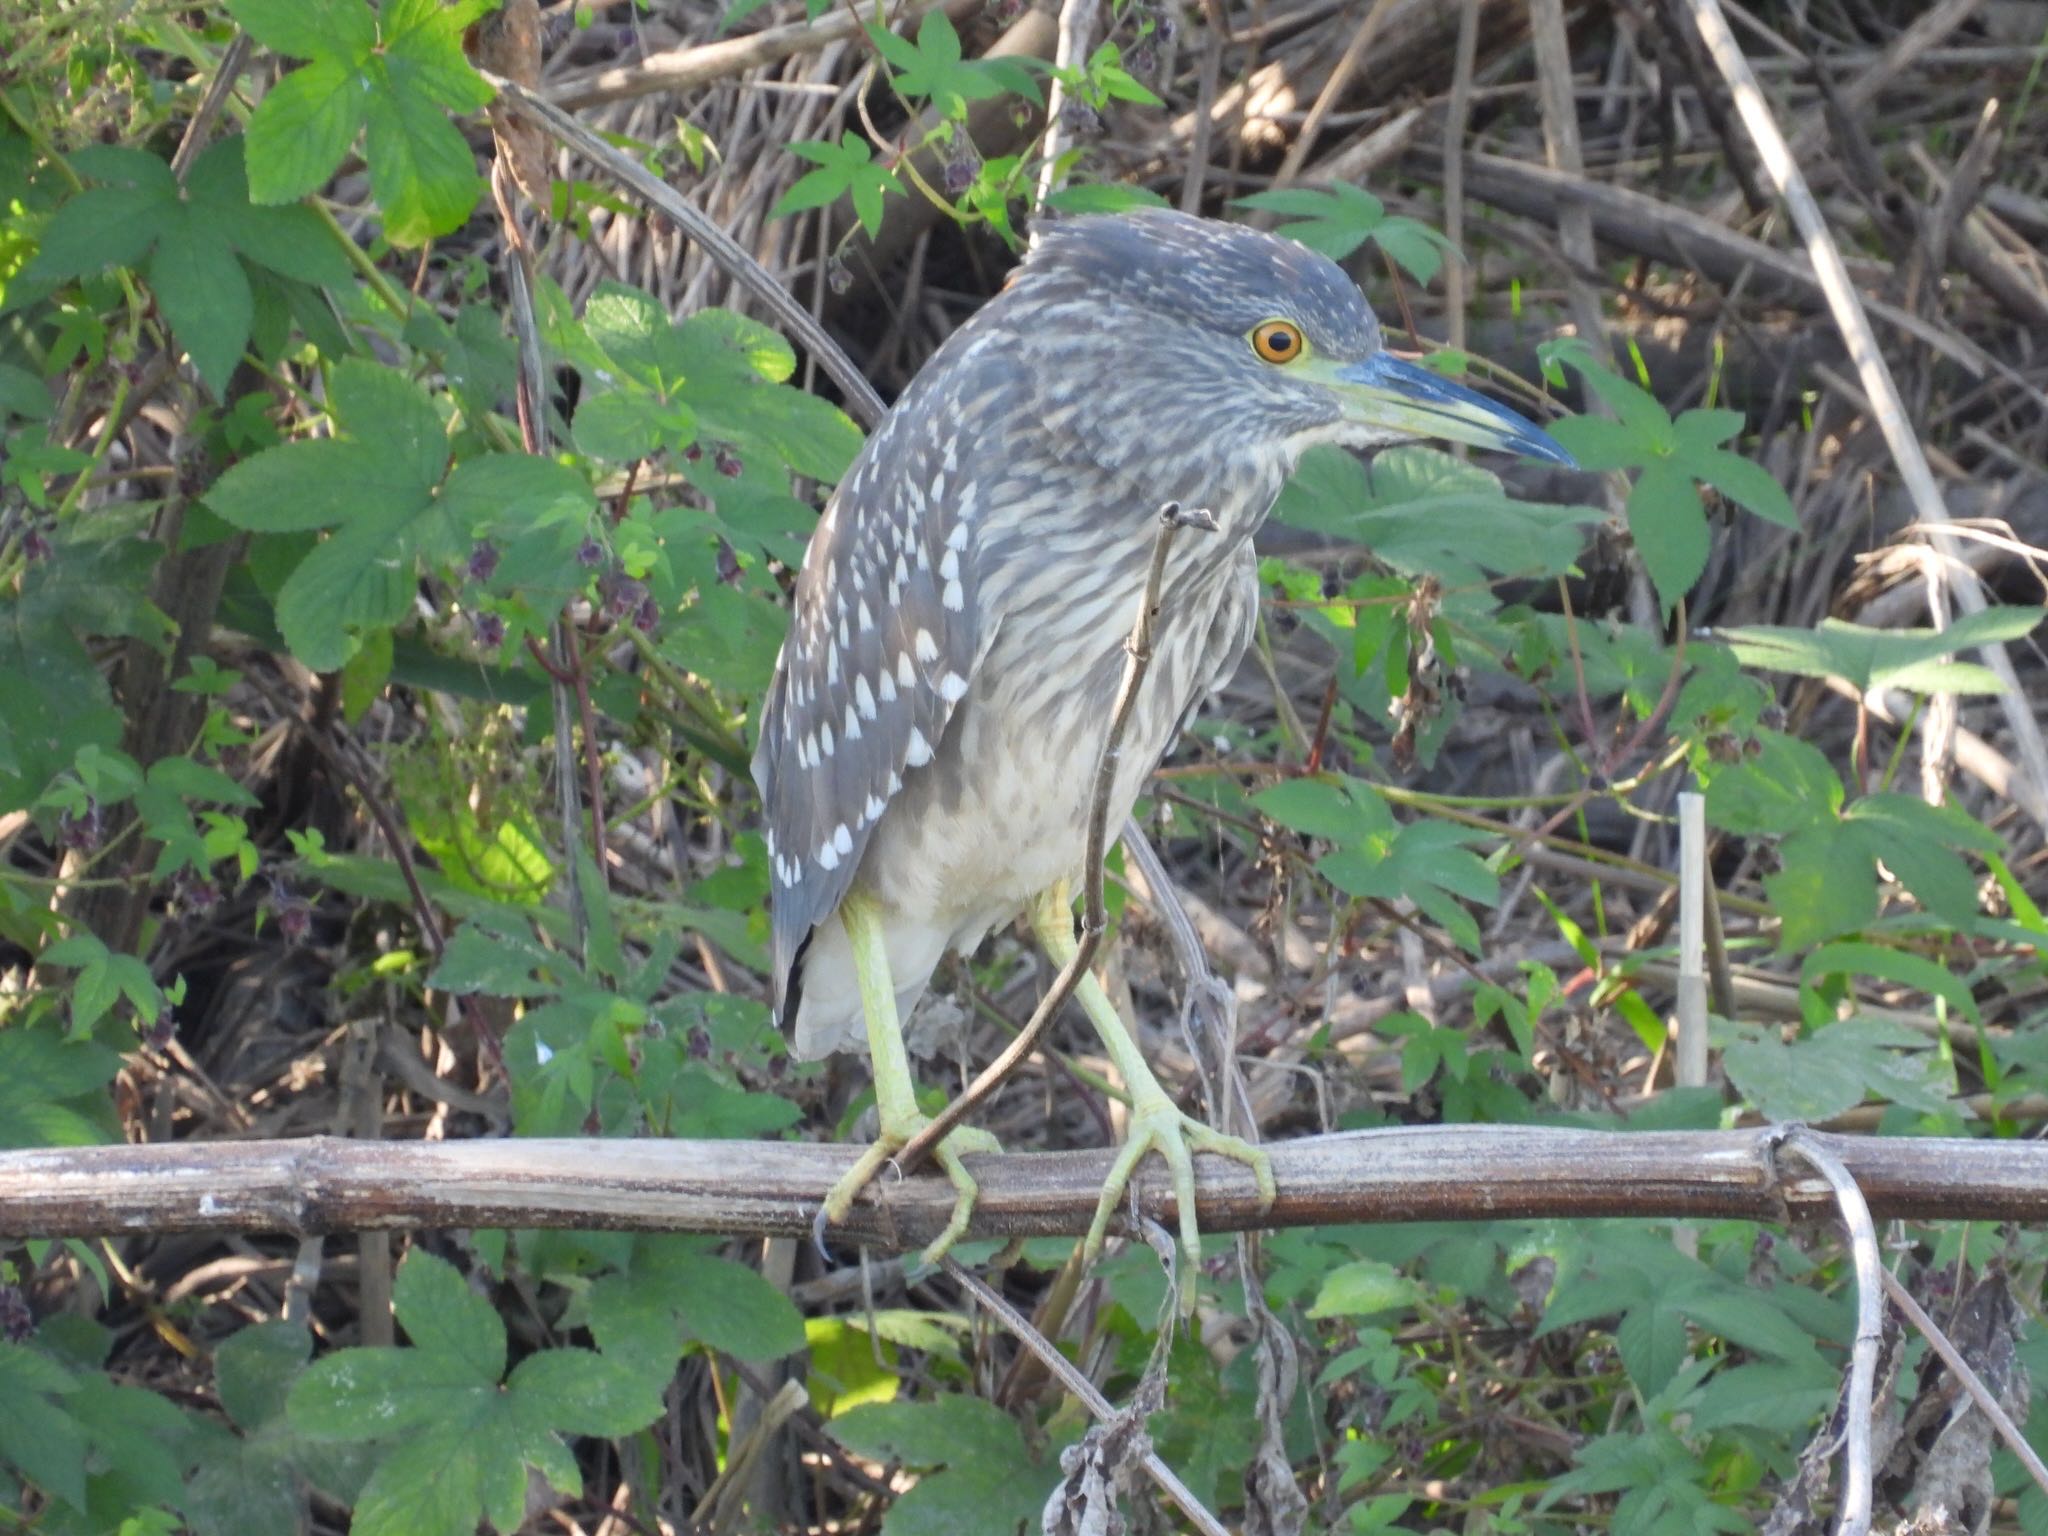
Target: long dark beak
1389,393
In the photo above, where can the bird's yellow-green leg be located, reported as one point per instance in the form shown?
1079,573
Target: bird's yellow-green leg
1157,1123
895,1091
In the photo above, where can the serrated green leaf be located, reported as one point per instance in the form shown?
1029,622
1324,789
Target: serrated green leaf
1363,1288
301,130
1834,1069
1884,658
377,1394
732,1308
1336,809
1887,964
300,486
429,1486
1748,485
502,495
307,29
584,1393
361,578
100,227
39,1073
1651,1339
443,1317
1788,785
253,1370
1421,511
1670,530
1825,886
421,170
381,407
988,1482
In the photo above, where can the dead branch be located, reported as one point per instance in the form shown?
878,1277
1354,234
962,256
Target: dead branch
1852,1515
1422,1173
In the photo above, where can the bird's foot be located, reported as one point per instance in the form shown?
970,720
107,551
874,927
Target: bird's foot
1157,1124
957,1143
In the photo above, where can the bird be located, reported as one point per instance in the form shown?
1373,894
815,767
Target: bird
928,744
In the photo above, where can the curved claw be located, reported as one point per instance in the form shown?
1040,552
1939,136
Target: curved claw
963,1140
1158,1125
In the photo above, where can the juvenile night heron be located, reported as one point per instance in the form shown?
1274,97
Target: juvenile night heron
929,743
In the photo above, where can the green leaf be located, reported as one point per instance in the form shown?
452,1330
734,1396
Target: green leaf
502,495
1825,886
732,1308
300,486
382,407
38,1435
584,1393
379,1393
934,68
1103,197
421,170
309,29
39,1075
990,1484
1747,484
1670,530
1903,967
1651,1339
361,578
1338,221
254,1370
1788,785
1885,658
1423,512
845,169
429,1486
445,1319
100,227
1362,1288
1337,809
1835,1069
302,129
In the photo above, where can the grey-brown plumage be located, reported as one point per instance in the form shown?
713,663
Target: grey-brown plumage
941,699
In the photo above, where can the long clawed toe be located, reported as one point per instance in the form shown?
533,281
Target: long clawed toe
1157,1124
961,1142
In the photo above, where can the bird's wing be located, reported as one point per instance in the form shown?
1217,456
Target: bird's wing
883,641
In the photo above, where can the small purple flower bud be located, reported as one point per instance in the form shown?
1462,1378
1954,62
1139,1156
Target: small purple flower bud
959,175
35,545
483,561
81,833
490,631
693,453
195,893
1142,60
619,593
838,277
590,554
728,463
647,617
1080,120
699,1043
728,564
162,1031
17,1321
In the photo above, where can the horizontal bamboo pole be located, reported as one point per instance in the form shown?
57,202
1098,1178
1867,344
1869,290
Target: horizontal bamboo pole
1433,1173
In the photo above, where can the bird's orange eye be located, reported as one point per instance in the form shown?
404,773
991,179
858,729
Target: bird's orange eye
1277,341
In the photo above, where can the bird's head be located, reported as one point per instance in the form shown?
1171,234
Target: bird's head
1232,340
